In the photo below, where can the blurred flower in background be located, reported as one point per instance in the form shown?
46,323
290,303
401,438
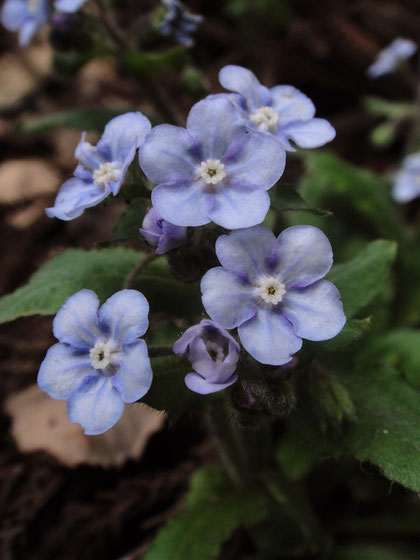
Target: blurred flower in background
389,58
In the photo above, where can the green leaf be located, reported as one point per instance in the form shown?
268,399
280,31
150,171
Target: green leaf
141,63
384,134
372,552
92,118
353,330
391,109
285,199
364,277
214,509
100,270
127,227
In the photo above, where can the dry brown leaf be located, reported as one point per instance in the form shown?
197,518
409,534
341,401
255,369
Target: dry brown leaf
40,423
25,179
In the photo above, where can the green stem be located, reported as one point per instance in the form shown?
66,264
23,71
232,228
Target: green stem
131,277
158,351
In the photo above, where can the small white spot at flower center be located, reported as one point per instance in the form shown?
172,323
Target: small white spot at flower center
211,171
265,119
107,172
103,353
215,352
270,290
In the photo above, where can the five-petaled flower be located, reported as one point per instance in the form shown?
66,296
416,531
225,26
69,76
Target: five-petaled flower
283,111
162,234
102,168
406,184
25,16
213,354
271,289
100,363
391,56
179,22
214,170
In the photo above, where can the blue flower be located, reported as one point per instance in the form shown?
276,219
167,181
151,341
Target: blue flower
100,363
68,6
213,354
213,170
102,169
283,111
179,22
271,289
406,184
162,234
25,16
389,58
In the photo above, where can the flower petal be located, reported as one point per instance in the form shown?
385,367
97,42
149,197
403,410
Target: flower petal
62,370
169,154
124,316
13,14
68,6
292,104
182,204
89,156
316,312
259,161
305,256
74,197
226,299
243,81
218,125
239,206
269,337
123,135
95,405
405,187
198,384
134,375
248,252
310,134
76,321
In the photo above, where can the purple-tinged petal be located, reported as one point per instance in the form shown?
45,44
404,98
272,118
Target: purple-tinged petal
310,134
239,206
123,135
227,299
291,103
169,154
124,316
305,256
13,14
89,156
198,384
243,81
68,6
95,405
76,322
182,204
27,30
134,375
200,359
259,161
74,197
269,337
218,125
236,98
316,312
249,252
63,370
172,237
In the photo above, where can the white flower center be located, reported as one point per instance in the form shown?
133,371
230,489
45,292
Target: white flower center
106,173
265,119
32,6
215,352
103,353
211,171
270,289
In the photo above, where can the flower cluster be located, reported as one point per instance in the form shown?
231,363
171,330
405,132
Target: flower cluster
216,169
389,58
179,22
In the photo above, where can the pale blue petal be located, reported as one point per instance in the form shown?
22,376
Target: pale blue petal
218,125
269,337
124,316
76,321
169,154
198,384
259,161
227,299
249,252
123,135
239,206
63,370
13,14
95,405
316,312
27,30
182,204
134,376
68,6
305,256
74,197
89,156
310,134
406,187
291,103
243,81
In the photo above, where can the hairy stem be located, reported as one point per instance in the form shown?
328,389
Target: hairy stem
131,277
